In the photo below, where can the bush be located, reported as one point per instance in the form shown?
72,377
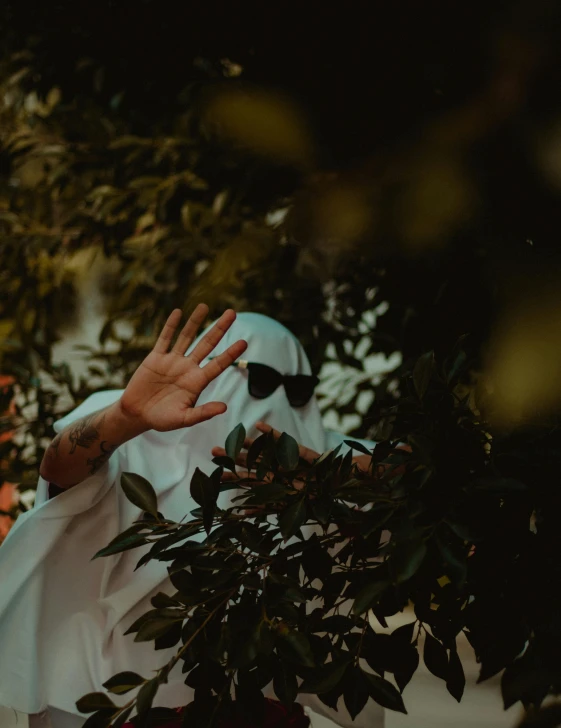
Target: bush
464,531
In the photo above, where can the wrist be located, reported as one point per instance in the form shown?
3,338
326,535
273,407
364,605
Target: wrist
126,423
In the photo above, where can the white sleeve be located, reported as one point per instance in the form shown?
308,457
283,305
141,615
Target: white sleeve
93,403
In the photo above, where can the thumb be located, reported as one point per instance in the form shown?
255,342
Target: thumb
204,412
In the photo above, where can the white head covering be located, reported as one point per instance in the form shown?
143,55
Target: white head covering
268,343
63,616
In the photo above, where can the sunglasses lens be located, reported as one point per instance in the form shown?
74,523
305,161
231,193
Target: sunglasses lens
263,380
300,389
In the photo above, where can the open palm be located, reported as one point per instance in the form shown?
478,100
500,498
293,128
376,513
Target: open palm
164,390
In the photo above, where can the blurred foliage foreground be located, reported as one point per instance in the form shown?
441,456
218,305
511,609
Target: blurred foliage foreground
440,244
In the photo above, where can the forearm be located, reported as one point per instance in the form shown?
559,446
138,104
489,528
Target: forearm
84,446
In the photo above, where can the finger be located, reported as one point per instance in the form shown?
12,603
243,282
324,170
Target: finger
215,367
203,412
221,451
189,331
305,453
166,335
363,462
210,340
228,476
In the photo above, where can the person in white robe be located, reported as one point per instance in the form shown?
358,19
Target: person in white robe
62,615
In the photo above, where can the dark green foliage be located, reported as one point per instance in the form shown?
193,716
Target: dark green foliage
430,127
257,577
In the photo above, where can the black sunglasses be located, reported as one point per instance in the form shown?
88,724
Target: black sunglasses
264,380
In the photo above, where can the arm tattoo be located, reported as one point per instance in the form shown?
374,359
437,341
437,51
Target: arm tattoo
106,451
84,432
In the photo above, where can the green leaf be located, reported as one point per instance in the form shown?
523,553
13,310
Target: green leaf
94,701
455,561
321,508
267,493
255,450
466,533
369,596
263,638
384,693
356,691
153,629
422,373
215,479
404,655
285,683
331,699
316,560
287,452
225,462
404,633
526,678
201,488
299,647
292,518
139,492
435,657
456,679
205,493
407,558
170,638
358,446
235,441
184,583
334,624
161,599
135,626
263,468
123,682
146,696
119,722
378,650
122,543
325,678
407,662
253,538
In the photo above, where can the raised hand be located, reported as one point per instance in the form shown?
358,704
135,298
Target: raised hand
363,462
305,452
163,392
161,395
